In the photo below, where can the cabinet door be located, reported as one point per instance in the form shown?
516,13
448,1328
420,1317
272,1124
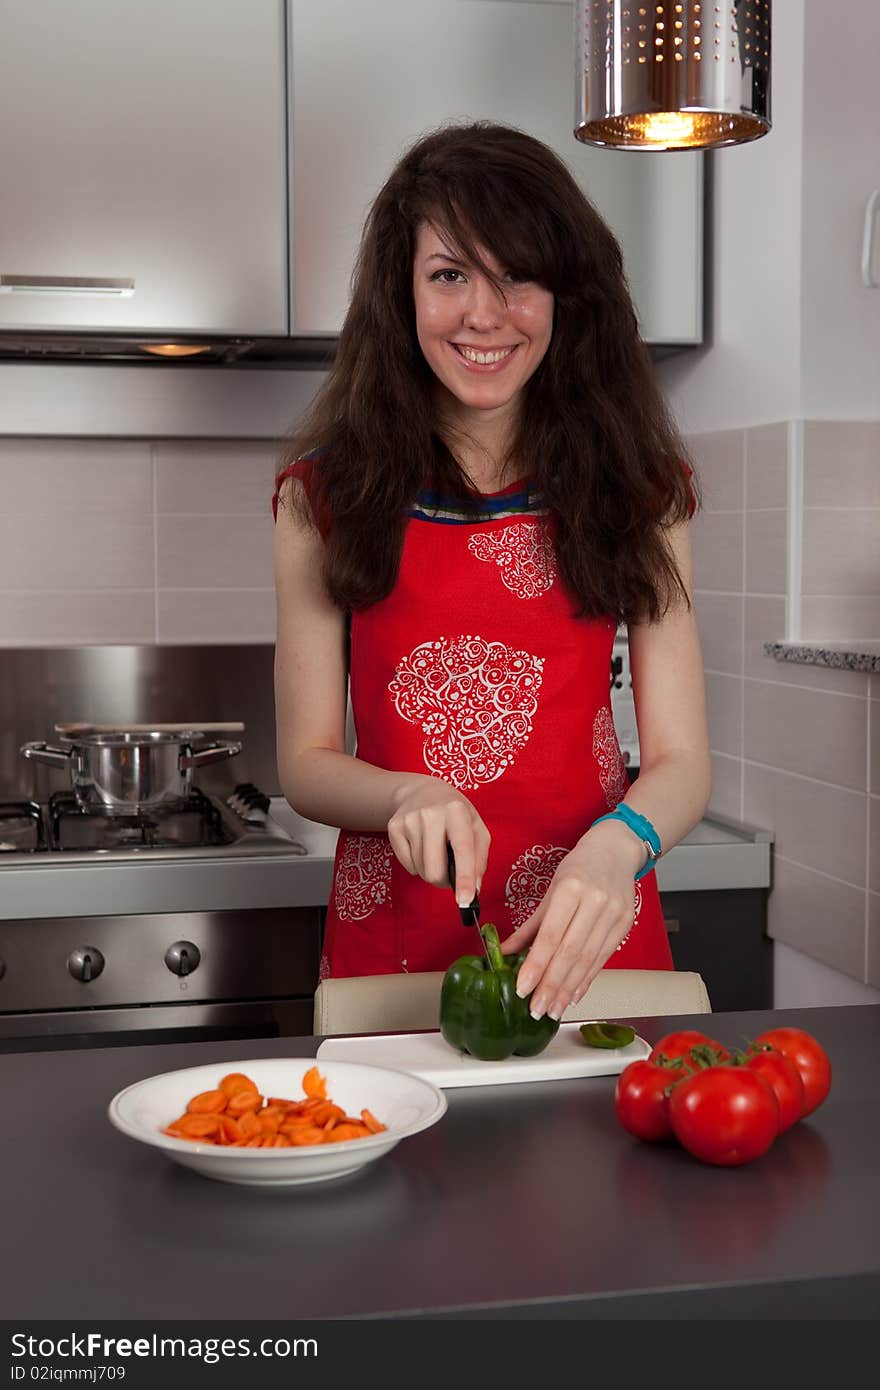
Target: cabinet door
367,80
144,142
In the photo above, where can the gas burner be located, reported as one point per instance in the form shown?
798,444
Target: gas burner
193,824
21,828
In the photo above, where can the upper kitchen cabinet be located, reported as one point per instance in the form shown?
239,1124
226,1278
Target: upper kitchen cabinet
142,149
367,79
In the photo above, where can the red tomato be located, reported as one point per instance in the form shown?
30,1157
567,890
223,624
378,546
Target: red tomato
640,1099
784,1080
724,1115
810,1058
673,1045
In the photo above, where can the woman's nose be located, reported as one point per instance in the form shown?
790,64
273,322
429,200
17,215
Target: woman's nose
484,307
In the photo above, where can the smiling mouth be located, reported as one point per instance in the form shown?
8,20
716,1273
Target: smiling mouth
477,358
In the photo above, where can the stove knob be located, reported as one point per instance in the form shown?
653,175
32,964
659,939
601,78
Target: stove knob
85,963
182,958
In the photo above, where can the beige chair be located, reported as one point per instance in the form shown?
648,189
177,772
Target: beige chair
409,1003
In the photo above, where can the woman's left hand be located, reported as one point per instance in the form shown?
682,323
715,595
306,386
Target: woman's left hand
584,915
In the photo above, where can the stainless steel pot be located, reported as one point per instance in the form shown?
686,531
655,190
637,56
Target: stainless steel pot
125,773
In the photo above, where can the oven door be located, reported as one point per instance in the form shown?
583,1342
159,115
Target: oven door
92,981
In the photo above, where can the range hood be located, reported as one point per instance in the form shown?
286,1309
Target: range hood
153,350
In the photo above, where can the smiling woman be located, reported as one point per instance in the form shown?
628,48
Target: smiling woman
483,332
486,486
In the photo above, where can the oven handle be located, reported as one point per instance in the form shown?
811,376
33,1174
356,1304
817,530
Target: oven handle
212,754
45,753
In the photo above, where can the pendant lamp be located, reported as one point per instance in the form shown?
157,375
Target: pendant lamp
672,74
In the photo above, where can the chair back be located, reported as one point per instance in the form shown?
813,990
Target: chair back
411,1002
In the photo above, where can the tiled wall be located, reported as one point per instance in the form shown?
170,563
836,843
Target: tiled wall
109,541
796,748
840,581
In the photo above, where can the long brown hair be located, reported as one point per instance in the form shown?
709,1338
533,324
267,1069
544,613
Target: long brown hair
594,436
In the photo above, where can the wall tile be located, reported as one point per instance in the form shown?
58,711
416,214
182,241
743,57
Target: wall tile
765,622
726,797
873,970
874,737
767,466
717,539
205,477
76,617
216,615
819,916
851,615
766,552
719,620
75,475
813,732
841,551
76,549
874,843
842,461
819,826
802,982
222,552
718,459
724,709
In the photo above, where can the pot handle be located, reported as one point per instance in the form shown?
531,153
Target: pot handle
212,754
45,753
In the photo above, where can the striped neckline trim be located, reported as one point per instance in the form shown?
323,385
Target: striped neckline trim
452,511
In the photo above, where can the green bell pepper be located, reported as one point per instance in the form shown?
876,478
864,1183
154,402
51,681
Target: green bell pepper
480,1011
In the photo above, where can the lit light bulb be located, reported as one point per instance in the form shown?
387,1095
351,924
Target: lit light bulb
668,128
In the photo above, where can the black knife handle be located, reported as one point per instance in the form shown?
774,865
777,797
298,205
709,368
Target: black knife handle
470,915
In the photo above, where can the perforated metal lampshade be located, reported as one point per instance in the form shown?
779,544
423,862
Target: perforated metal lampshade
672,74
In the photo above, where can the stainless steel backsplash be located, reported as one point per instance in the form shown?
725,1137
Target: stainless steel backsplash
40,688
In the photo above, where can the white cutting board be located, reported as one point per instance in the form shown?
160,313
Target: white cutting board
430,1056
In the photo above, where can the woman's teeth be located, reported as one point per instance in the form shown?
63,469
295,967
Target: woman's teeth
484,358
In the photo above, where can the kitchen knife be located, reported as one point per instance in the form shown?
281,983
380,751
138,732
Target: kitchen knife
470,915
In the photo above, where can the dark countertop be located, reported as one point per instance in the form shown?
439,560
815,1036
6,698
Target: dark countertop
853,655
524,1201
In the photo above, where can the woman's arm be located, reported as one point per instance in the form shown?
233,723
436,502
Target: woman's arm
318,777
588,907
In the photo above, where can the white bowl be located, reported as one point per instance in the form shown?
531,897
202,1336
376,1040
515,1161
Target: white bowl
406,1104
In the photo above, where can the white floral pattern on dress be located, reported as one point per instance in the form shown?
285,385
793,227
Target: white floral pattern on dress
363,875
606,751
475,702
635,921
529,880
523,553
324,968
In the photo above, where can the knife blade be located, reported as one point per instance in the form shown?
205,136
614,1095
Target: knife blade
470,915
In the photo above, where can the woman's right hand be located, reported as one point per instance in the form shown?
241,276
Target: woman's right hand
428,813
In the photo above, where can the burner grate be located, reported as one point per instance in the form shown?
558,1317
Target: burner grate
21,828
195,824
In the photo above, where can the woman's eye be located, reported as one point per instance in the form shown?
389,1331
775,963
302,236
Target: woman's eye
440,276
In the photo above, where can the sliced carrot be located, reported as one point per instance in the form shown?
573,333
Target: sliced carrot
208,1102
236,1081
236,1115
314,1084
243,1101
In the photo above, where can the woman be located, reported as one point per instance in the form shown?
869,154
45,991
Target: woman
486,486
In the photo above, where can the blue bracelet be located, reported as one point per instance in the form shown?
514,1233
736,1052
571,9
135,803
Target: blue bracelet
642,827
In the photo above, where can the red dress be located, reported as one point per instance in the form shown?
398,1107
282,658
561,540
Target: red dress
474,669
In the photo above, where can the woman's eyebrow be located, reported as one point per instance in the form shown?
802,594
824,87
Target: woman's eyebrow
444,256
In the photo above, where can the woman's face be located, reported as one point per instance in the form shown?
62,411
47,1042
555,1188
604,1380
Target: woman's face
481,349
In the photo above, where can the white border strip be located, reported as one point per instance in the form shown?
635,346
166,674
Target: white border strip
795,525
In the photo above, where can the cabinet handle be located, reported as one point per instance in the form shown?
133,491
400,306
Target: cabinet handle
66,284
868,241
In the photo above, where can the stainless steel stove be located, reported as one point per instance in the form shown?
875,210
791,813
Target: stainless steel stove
203,920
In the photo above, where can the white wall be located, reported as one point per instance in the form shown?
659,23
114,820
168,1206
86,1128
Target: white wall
749,373
841,125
